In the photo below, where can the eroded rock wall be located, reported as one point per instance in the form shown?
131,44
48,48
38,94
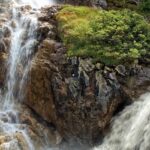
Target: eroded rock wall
103,3
78,96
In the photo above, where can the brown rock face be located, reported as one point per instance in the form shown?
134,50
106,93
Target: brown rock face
103,3
41,71
78,97
38,131
4,39
3,66
78,2
74,94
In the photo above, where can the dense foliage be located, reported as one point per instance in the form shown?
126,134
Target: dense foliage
111,37
145,5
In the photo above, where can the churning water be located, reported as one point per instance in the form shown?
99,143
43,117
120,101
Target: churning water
131,129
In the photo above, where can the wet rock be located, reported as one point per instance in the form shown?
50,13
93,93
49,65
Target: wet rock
103,3
1,33
121,70
7,42
38,129
44,30
6,32
100,3
2,46
99,66
3,68
86,64
76,95
15,141
26,8
137,84
13,24
5,1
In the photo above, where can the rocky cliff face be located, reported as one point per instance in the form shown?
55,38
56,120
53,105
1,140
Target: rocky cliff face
78,96
103,3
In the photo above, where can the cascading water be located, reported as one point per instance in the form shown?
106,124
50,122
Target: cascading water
131,129
35,3
23,40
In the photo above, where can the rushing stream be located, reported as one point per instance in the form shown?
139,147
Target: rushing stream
131,129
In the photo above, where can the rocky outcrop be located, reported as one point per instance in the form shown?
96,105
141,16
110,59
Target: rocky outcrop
4,40
103,3
28,123
97,3
77,96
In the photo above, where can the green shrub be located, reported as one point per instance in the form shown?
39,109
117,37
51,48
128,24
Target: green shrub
111,37
145,5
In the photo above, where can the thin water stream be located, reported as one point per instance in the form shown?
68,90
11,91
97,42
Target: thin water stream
23,39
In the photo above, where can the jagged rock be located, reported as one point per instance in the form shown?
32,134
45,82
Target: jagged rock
121,70
36,129
13,24
100,3
99,66
44,29
7,42
6,31
86,65
5,1
2,46
3,68
78,97
137,84
1,33
74,94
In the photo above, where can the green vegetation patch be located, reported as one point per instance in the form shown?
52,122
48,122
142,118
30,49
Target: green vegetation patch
145,6
111,37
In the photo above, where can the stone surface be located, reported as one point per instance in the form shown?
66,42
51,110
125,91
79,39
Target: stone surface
103,3
74,94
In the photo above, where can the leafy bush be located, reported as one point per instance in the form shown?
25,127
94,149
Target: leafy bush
111,37
145,5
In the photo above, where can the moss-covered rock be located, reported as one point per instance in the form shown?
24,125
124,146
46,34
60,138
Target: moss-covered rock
112,37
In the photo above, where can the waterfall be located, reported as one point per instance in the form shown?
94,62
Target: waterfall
22,42
131,129
22,26
35,3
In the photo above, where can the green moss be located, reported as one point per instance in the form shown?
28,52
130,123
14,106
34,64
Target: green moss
111,37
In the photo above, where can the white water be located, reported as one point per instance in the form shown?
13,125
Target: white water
131,129
35,3
23,39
